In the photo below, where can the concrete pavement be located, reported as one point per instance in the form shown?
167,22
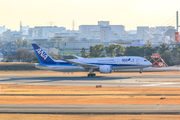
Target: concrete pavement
90,109
115,81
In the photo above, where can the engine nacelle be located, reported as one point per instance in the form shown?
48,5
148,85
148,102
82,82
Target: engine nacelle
105,69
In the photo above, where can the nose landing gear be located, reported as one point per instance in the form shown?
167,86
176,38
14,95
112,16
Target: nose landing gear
140,71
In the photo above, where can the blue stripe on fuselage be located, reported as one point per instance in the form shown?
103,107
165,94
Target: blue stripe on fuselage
69,64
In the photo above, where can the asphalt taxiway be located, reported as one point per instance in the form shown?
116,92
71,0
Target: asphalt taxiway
89,109
107,80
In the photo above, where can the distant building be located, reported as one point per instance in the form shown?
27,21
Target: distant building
2,29
163,34
70,35
103,23
95,35
44,31
95,31
86,30
156,35
105,33
25,30
11,35
142,32
118,29
56,40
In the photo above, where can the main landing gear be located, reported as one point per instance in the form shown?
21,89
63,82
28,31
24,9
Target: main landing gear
91,75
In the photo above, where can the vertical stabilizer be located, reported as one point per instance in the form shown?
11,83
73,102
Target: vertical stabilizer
43,57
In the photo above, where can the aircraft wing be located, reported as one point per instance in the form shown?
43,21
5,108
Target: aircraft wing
81,64
78,57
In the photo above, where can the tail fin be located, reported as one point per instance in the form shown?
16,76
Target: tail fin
43,57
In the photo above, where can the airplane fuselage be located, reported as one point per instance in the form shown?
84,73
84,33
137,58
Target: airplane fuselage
116,63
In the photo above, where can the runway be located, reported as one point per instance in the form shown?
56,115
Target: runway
108,80
90,109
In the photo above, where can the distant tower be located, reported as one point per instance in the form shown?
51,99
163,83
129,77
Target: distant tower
177,21
51,23
73,25
21,27
157,61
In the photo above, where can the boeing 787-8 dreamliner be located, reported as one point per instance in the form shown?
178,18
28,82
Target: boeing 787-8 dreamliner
102,65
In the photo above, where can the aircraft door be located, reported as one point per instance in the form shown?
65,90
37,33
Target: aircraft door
137,60
118,61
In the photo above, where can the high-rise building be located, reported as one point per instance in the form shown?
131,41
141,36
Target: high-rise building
105,33
2,29
87,30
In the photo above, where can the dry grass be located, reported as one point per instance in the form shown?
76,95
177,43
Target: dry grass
87,117
30,89
93,100
51,73
108,99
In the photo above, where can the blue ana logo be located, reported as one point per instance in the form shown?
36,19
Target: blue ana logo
126,60
42,54
132,60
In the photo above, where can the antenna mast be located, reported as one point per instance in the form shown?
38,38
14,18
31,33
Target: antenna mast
73,24
50,23
21,27
177,25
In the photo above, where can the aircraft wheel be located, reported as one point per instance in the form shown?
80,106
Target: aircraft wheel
94,75
91,75
88,75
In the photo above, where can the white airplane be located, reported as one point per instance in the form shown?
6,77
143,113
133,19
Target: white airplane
102,65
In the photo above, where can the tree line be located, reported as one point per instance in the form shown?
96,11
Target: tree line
170,55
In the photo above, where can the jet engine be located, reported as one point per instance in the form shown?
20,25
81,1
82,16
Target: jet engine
105,69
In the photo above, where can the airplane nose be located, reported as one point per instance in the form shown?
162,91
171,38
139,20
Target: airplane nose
150,64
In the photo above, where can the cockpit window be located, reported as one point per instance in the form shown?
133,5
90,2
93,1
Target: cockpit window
145,60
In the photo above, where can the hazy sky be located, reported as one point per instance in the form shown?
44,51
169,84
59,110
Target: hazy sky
130,13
